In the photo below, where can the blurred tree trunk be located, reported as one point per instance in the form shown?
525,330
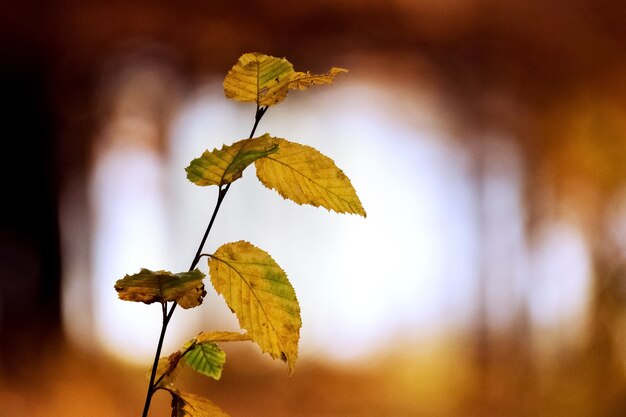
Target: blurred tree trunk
29,232
602,356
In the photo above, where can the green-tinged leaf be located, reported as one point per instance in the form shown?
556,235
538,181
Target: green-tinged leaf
261,296
221,337
206,358
306,176
304,80
200,353
186,288
226,165
258,78
191,405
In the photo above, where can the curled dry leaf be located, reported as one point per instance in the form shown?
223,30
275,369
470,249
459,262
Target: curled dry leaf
304,80
191,405
186,288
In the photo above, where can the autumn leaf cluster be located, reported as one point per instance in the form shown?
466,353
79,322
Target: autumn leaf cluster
254,286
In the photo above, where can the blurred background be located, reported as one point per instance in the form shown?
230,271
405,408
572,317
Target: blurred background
486,139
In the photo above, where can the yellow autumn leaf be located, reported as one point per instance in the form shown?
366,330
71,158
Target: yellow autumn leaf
306,176
167,369
226,165
191,405
221,336
261,296
266,80
304,80
258,78
186,288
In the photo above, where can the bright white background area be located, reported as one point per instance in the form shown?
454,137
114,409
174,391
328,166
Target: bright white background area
408,272
360,282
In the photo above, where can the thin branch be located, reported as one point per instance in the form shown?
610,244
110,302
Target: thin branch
260,111
220,198
152,386
157,355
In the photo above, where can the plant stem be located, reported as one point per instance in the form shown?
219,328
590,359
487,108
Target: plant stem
220,198
260,111
157,355
166,317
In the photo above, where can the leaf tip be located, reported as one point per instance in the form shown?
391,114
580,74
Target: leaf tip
337,70
291,364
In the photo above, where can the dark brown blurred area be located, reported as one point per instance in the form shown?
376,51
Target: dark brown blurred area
551,75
